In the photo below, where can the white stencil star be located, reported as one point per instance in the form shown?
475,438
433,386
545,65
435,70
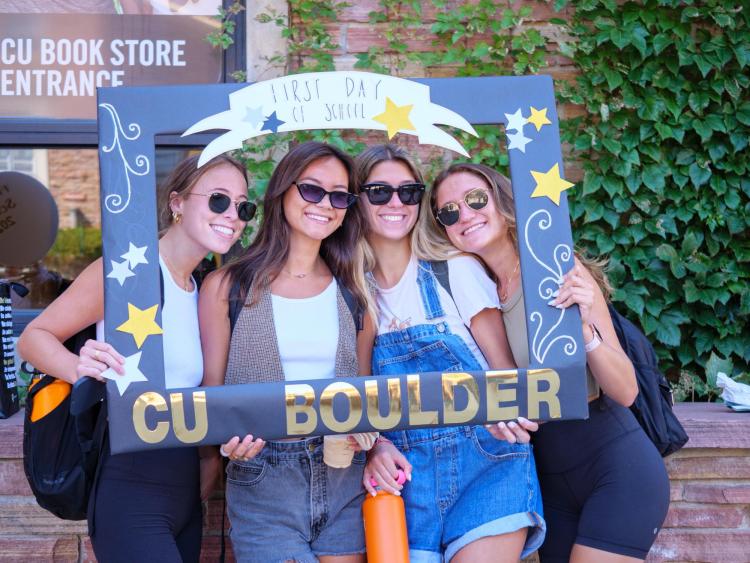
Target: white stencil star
120,271
135,255
132,373
253,116
518,141
515,121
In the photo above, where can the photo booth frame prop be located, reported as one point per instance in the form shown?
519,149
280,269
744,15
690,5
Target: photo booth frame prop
143,414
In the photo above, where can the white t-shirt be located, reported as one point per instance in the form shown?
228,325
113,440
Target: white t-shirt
307,332
401,306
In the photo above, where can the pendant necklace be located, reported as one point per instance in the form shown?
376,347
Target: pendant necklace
186,283
505,287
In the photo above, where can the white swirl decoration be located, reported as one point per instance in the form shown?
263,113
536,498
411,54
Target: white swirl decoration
542,341
114,202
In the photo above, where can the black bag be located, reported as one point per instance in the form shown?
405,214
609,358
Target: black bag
61,449
653,405
8,382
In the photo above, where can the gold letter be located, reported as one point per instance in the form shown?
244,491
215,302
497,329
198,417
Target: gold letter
495,395
306,409
535,376
326,406
148,435
416,415
373,404
200,429
450,381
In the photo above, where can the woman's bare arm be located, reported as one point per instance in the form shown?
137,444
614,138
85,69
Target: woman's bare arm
81,305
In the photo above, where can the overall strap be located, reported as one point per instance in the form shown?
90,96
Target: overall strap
428,291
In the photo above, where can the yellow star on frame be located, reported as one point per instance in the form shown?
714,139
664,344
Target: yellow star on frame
141,323
538,117
395,118
549,184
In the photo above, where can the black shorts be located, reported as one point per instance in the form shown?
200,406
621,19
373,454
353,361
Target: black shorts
614,499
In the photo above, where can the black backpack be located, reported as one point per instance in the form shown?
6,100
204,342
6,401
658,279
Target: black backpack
61,449
653,405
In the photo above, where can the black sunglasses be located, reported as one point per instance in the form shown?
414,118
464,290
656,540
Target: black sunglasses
379,193
450,212
315,194
219,203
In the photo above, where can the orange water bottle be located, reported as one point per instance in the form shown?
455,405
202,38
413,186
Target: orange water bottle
385,526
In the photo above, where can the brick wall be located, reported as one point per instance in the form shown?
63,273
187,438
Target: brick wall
74,183
708,520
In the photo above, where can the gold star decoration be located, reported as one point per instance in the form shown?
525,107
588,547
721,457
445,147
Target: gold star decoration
141,323
549,184
395,118
538,117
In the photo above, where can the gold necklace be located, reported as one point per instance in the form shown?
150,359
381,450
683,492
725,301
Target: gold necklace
186,283
505,287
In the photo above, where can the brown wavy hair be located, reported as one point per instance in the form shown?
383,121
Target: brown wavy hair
264,258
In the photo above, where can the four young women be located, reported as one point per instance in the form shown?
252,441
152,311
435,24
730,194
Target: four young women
337,238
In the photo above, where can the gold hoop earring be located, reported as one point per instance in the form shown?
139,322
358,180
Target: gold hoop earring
176,217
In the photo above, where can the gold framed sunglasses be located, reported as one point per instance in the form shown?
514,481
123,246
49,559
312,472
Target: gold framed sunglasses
449,213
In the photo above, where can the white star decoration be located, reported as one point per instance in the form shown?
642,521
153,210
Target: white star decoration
253,116
518,141
132,373
515,121
120,271
135,255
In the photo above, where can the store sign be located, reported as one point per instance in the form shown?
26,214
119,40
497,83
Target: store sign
51,64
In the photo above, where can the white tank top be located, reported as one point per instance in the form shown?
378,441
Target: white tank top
183,357
307,332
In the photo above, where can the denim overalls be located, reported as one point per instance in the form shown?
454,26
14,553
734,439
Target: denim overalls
466,484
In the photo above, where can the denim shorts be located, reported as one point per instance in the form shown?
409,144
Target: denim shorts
467,485
286,504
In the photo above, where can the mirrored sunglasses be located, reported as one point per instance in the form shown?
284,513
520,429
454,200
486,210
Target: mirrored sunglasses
449,213
219,203
315,194
379,193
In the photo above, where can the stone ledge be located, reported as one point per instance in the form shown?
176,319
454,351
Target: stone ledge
713,425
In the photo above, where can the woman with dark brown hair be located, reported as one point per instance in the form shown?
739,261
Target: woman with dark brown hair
604,485
146,505
284,503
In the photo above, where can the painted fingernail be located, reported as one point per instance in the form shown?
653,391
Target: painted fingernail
512,424
551,302
522,419
556,293
559,306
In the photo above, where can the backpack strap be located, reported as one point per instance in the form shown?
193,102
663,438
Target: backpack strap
235,305
358,314
440,270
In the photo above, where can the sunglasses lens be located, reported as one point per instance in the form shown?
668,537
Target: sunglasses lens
219,203
476,199
448,214
311,193
341,200
246,211
411,194
378,194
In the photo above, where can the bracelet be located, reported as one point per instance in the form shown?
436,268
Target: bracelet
595,342
382,439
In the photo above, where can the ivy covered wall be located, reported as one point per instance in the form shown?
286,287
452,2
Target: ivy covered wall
655,101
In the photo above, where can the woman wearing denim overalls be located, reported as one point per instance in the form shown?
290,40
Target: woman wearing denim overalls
473,493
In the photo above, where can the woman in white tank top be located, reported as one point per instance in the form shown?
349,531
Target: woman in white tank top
206,210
